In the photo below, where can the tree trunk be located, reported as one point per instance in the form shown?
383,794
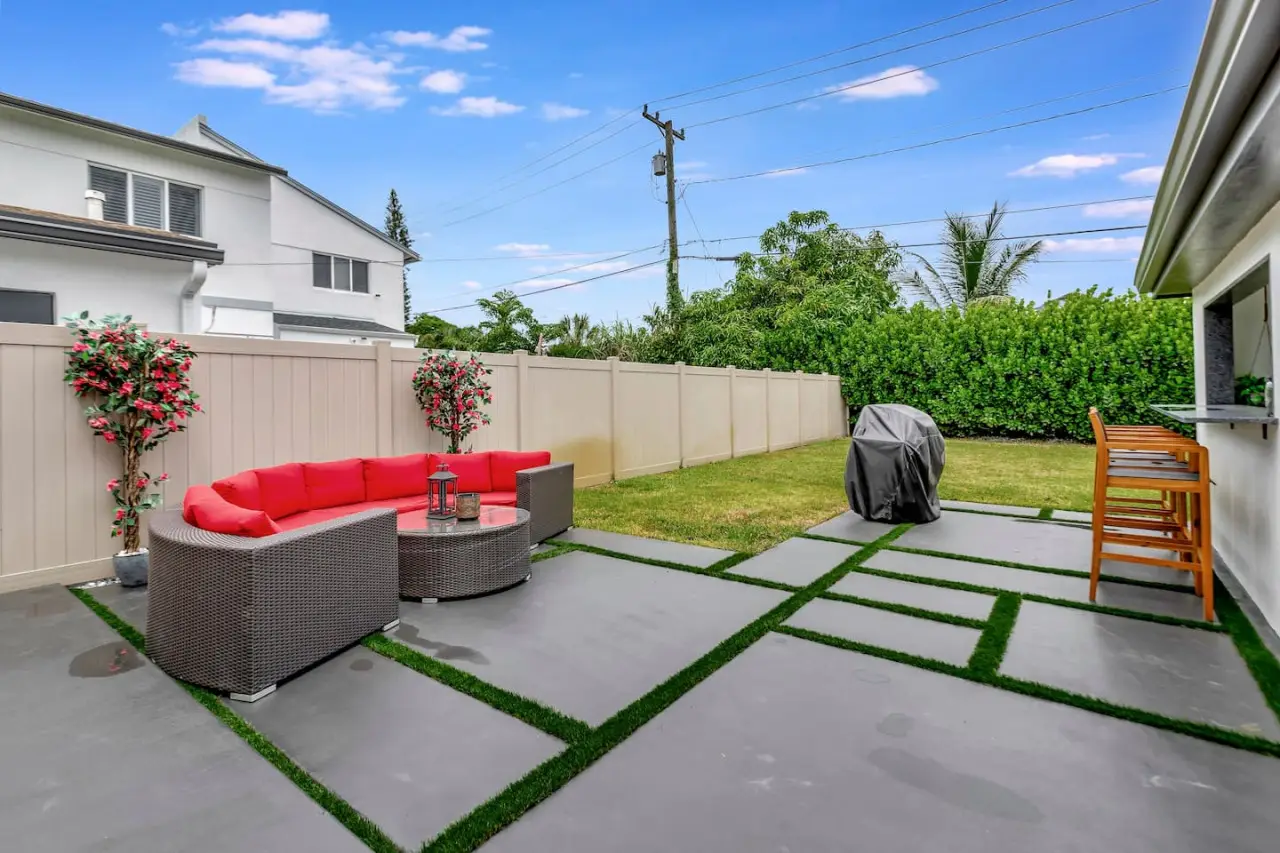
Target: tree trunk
132,471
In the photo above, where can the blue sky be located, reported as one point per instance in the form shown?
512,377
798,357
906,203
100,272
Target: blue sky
448,105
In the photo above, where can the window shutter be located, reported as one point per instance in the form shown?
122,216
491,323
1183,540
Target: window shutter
341,274
184,210
360,276
115,186
322,271
148,202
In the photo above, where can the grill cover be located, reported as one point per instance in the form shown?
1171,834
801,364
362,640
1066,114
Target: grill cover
895,462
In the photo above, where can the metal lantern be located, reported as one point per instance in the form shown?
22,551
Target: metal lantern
442,494
659,164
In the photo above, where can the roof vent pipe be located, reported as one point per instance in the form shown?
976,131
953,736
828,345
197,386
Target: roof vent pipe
93,202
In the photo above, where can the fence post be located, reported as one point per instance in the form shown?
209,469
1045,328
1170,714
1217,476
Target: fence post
382,398
614,370
523,397
680,365
826,406
733,379
800,380
768,403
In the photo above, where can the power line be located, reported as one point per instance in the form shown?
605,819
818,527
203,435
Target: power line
919,68
558,286
873,57
521,281
947,139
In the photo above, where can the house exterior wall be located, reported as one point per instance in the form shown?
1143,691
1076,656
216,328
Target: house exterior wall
1245,467
147,288
337,336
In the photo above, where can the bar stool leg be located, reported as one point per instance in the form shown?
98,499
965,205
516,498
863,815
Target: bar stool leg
1099,513
1206,547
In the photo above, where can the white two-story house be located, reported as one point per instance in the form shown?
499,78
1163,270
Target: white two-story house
187,233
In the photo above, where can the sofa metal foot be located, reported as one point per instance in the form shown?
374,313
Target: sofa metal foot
393,623
254,697
429,600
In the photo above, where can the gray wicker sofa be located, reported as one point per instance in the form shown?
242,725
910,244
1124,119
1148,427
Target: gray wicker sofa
238,614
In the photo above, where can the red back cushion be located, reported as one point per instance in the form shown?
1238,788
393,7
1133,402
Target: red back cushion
282,489
241,490
503,465
334,483
212,513
395,476
472,470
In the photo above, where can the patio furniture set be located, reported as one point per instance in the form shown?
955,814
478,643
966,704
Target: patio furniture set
268,572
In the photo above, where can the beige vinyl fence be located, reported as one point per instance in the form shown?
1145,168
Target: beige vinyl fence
268,402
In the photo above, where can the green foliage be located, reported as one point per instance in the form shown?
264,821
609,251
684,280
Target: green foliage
1014,369
1251,390
451,390
397,229
435,333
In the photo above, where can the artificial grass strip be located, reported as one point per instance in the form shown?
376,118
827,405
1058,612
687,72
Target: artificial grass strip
535,714
729,562
556,551
989,651
1262,664
1201,731
906,610
711,572
1046,514
359,825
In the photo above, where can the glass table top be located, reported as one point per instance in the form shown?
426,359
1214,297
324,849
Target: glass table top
490,517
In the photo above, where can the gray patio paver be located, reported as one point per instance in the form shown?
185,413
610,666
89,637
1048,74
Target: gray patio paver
1179,672
129,603
1072,515
796,747
588,634
971,605
798,562
853,527
102,751
969,506
409,753
920,637
1127,596
649,549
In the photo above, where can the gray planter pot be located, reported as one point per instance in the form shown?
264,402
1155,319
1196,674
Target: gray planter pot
131,569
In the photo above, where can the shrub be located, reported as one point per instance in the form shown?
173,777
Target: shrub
1014,369
451,390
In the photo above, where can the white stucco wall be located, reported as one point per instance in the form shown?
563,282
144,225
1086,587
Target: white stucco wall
1245,468
339,338
96,281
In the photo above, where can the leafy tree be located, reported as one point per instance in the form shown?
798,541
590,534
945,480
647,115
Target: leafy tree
434,333
508,324
973,266
397,229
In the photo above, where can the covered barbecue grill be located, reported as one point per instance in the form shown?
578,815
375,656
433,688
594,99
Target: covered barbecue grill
895,462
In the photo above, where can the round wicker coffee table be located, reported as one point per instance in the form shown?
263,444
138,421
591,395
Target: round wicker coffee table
455,559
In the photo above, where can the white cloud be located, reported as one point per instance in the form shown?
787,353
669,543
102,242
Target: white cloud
785,173
575,75
522,250
460,40
445,82
471,285
1119,209
1068,165
178,30
486,107
1095,244
1145,175
282,25
322,77
1095,137
558,112
897,82
220,72
546,282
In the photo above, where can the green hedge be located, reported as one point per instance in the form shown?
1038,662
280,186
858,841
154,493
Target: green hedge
1015,369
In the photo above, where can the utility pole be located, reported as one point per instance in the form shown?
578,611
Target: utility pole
675,299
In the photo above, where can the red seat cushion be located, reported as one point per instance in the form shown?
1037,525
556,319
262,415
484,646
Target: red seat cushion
395,476
498,499
334,483
241,490
503,465
407,503
283,490
472,470
315,516
211,512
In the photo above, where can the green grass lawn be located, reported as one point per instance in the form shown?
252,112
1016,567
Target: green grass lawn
752,503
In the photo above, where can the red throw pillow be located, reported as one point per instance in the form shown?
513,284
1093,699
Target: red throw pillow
503,465
241,490
334,483
395,476
283,489
189,500
216,515
472,470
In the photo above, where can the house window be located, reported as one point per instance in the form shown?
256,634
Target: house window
133,199
335,273
26,306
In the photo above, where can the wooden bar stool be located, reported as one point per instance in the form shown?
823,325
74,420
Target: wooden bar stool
1166,463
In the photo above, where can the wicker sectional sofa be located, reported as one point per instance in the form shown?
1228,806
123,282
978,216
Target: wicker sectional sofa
268,572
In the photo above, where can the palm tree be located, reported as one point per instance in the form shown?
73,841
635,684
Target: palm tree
973,266
574,330
508,323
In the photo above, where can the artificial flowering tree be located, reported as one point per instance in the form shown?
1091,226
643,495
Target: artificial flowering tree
140,392
451,390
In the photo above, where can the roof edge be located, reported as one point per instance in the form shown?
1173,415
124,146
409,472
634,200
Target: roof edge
85,235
